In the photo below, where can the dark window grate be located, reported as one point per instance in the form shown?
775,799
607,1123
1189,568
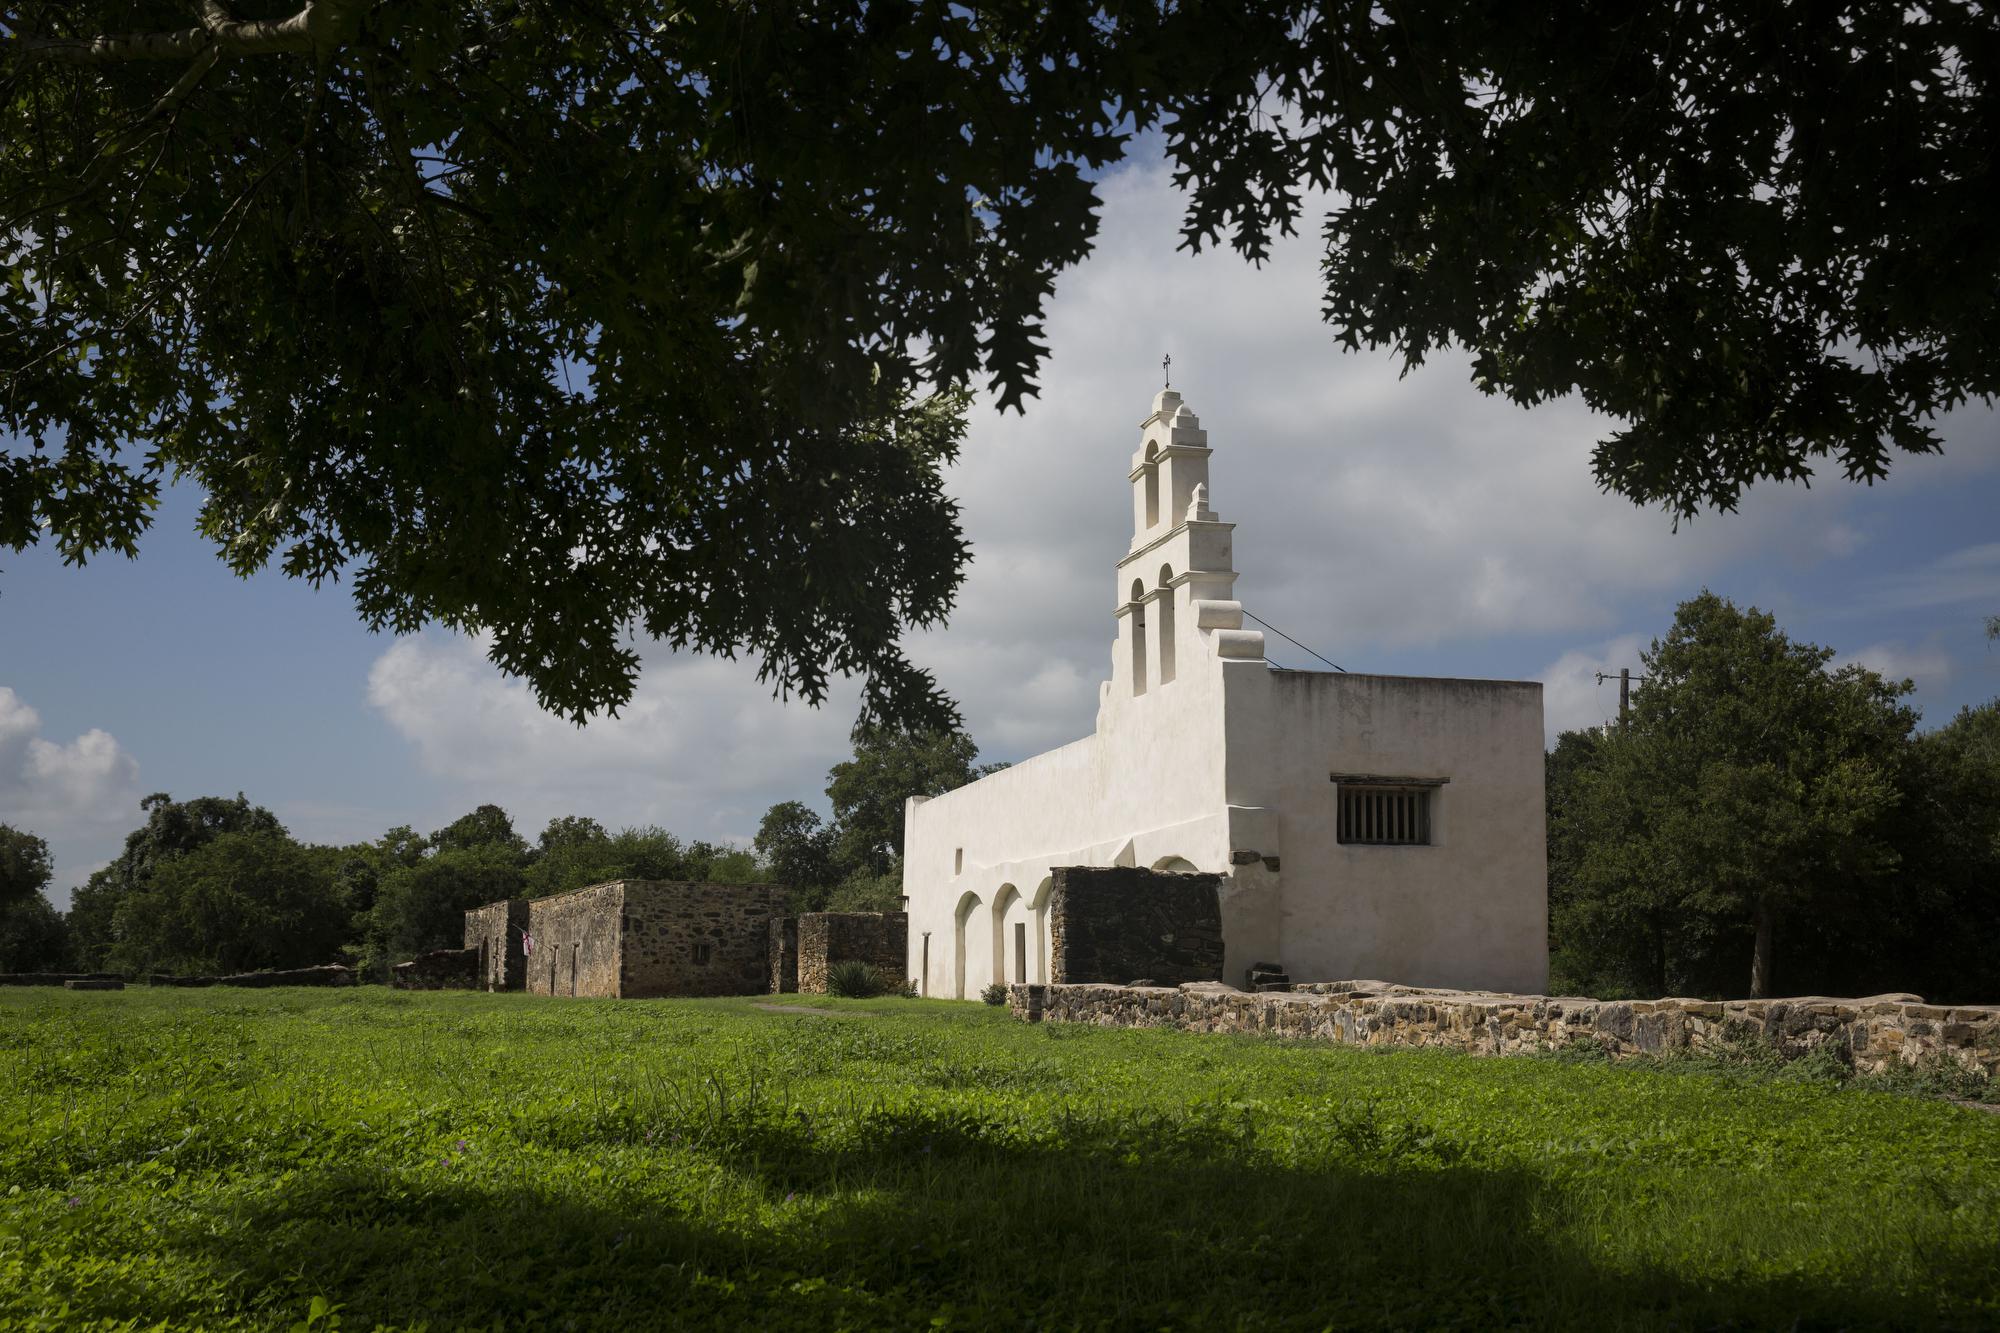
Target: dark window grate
1385,816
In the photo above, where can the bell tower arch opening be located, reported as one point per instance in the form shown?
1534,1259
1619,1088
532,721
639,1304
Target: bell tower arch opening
1138,632
1165,597
1152,483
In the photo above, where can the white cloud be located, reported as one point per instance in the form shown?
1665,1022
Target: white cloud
1926,665
90,779
77,796
1572,695
702,749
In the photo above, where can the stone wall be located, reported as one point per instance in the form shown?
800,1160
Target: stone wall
495,931
1117,924
576,941
699,939
54,978
440,969
637,939
828,939
1872,1033
325,974
784,955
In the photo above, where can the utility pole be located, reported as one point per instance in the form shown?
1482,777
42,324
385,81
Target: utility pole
1625,679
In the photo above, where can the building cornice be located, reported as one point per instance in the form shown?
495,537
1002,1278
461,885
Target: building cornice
1174,531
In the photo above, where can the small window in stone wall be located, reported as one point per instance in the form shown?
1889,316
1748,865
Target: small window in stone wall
1385,816
958,861
703,951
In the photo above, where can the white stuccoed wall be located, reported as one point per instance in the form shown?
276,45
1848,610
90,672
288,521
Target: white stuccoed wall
1232,756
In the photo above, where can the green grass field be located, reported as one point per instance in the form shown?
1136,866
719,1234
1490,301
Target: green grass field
219,1159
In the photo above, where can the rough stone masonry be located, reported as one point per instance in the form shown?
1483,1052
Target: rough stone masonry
1124,923
638,939
1873,1033
498,931
828,939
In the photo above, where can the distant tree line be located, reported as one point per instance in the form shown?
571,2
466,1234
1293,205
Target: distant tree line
218,885
1768,824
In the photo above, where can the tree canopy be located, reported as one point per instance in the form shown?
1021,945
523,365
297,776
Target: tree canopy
1767,823
172,829
32,934
569,321
240,902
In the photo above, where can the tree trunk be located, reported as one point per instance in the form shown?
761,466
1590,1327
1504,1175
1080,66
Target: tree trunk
1760,957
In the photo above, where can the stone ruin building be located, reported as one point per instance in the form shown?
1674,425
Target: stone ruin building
639,939
805,949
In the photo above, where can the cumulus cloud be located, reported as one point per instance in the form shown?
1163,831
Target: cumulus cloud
702,748
75,795
89,779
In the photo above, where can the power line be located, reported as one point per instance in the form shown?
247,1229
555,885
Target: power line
1294,642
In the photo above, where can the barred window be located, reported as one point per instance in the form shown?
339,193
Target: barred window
702,951
1392,816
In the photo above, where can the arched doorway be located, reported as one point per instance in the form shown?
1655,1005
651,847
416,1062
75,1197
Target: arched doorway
1010,936
966,924
1175,865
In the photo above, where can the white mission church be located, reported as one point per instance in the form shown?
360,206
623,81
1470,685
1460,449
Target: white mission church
1381,827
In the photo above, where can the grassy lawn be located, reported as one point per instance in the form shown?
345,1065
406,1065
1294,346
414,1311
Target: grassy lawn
217,1159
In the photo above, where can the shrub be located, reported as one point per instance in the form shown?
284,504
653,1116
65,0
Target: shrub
853,979
994,994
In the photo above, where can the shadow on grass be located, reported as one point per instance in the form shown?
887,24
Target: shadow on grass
922,1219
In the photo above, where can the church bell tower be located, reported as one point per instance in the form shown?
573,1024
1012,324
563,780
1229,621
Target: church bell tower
1177,579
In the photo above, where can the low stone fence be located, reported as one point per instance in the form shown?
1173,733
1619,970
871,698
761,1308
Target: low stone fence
326,974
54,978
1872,1033
440,969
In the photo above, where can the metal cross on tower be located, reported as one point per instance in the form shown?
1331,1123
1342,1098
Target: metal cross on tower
1167,369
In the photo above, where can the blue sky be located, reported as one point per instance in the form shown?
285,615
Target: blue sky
1395,524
